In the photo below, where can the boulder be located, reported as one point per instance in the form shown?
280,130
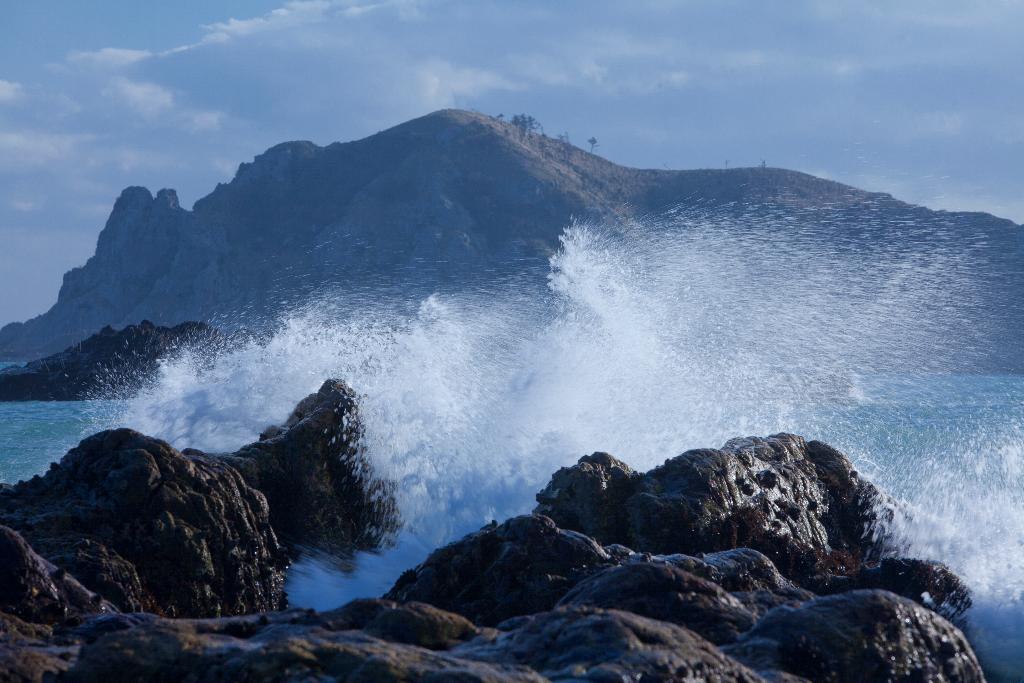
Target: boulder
590,497
297,645
666,593
800,503
109,364
151,528
313,470
413,623
931,584
586,643
520,567
861,635
34,590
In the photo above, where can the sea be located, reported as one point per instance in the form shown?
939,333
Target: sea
641,344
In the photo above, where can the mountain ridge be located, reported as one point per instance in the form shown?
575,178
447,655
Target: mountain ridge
445,197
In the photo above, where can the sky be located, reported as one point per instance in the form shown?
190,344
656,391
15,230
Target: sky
922,99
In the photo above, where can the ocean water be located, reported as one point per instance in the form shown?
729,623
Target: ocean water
642,342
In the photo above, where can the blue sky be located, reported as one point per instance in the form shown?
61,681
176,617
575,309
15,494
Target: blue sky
921,99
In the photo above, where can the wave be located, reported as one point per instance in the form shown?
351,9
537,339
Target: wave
647,338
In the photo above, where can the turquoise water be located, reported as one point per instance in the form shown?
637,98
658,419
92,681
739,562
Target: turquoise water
35,433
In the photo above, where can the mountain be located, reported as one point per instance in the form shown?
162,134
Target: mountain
439,200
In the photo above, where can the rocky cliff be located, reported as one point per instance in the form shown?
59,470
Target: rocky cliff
443,200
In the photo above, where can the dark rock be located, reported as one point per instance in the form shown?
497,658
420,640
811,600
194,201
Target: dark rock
128,515
295,646
863,635
666,593
799,503
590,497
109,364
34,590
522,566
931,584
585,643
25,661
314,472
413,623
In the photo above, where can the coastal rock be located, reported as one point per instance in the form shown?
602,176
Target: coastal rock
413,623
313,470
152,529
666,593
34,590
109,364
520,567
800,503
585,643
297,646
931,584
590,497
862,635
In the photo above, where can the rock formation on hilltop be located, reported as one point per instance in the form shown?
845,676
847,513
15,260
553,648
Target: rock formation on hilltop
447,199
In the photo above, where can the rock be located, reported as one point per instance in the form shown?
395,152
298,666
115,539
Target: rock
34,590
800,503
109,364
931,584
585,643
295,646
151,528
32,661
522,566
313,470
590,497
862,635
666,593
413,623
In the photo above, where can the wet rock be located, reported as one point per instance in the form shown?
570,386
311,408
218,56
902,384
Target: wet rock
863,635
34,590
413,623
313,470
109,364
800,503
931,584
295,646
32,662
153,529
586,643
666,593
590,497
522,566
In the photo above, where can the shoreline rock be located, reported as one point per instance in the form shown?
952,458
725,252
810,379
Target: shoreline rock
525,600
109,364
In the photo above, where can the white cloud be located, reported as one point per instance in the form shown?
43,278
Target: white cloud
147,99
204,120
34,148
441,82
110,57
22,205
10,91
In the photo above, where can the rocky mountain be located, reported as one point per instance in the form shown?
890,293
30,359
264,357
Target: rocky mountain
442,200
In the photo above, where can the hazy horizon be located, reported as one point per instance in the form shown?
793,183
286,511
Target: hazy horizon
918,101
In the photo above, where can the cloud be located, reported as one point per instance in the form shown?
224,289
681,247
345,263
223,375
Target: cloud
10,91
34,148
109,57
441,83
147,99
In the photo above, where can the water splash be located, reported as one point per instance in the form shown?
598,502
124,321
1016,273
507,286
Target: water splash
646,339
